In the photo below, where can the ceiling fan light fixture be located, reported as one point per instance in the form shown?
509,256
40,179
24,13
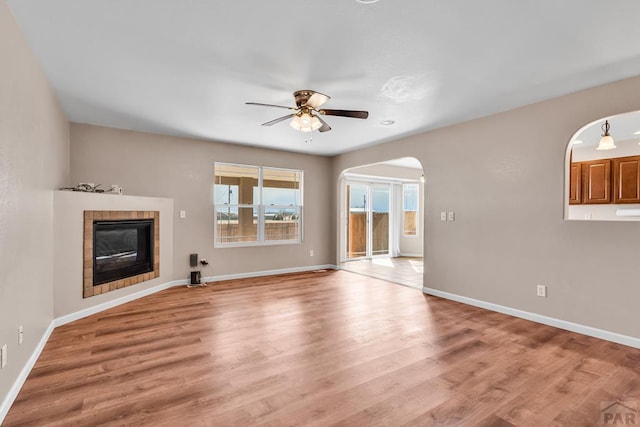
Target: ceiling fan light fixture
305,122
606,142
303,118
315,123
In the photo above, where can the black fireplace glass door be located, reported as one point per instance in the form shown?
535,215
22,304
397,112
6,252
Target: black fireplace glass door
121,249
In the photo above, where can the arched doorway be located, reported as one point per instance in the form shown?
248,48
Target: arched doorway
381,220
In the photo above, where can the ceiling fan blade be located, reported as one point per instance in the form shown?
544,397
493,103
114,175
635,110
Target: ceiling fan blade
269,105
281,119
346,113
317,99
325,126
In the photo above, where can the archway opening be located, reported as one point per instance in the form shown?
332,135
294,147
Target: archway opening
381,213
603,181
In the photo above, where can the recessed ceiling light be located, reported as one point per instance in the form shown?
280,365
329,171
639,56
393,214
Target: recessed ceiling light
637,133
577,141
367,1
387,122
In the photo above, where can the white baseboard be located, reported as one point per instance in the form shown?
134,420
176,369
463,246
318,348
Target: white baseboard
538,318
71,317
269,272
24,373
411,255
68,318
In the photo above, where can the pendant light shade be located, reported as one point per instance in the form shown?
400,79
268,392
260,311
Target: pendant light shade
606,142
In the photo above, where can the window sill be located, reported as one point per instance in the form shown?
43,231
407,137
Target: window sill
256,244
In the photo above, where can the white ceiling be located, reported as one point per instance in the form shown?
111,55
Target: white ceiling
186,67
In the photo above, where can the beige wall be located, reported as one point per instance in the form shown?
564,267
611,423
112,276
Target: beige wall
504,176
69,210
182,169
34,144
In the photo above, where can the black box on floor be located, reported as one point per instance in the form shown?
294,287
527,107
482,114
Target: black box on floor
195,277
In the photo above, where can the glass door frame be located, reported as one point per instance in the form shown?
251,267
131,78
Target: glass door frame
346,182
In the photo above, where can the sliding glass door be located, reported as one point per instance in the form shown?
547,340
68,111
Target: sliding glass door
379,219
367,216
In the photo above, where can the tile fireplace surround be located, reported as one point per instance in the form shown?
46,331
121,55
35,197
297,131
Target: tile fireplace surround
89,289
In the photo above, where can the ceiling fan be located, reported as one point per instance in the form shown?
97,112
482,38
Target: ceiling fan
303,117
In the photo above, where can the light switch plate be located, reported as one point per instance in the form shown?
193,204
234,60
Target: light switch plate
183,214
443,216
451,216
542,291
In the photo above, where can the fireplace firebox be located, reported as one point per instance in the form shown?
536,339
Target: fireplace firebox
121,248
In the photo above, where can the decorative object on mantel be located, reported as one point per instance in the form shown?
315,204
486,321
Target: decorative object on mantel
85,188
91,188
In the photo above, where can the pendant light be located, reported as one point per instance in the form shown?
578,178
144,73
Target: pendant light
606,142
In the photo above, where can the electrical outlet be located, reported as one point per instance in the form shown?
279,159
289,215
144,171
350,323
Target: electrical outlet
3,356
542,291
20,335
311,252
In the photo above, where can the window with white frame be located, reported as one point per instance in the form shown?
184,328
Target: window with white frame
256,205
410,203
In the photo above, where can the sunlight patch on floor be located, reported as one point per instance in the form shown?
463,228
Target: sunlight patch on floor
417,266
385,262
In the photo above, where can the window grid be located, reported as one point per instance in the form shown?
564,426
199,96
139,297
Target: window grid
275,223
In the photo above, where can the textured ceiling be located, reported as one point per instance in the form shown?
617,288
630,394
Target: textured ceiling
188,67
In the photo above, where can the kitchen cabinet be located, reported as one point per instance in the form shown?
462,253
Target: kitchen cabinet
575,184
596,181
626,180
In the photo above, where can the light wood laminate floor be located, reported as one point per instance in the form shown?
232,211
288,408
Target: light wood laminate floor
319,349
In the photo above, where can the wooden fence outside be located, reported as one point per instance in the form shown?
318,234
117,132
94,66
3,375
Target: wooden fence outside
357,244
228,231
